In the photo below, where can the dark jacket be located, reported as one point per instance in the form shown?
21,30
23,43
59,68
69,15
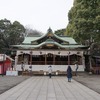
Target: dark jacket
69,72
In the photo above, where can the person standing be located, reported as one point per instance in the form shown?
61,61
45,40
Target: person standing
76,68
50,71
69,73
22,66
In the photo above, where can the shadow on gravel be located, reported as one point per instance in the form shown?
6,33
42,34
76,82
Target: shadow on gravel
91,81
7,82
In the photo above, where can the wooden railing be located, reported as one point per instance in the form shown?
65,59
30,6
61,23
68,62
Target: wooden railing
51,62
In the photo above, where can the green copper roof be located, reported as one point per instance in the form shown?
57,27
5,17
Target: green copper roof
28,40
69,39
47,42
67,42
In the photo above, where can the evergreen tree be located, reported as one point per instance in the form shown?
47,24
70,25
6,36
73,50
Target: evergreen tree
60,32
84,21
10,33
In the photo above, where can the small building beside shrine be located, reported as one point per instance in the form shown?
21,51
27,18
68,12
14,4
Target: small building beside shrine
49,49
5,63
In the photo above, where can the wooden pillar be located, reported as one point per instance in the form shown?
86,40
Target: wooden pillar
16,60
45,59
90,63
22,57
68,58
83,61
31,58
53,59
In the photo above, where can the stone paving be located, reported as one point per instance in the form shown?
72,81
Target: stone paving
44,88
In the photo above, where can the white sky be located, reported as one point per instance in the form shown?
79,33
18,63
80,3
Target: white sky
37,14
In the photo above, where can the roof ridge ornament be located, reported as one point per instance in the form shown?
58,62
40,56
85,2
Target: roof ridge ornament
49,30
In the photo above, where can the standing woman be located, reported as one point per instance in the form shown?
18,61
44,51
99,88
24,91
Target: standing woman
69,73
50,71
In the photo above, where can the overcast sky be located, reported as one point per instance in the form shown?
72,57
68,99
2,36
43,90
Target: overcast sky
37,14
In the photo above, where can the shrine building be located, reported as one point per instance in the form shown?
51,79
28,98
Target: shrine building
49,49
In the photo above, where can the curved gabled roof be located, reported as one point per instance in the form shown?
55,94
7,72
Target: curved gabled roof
70,40
47,42
28,40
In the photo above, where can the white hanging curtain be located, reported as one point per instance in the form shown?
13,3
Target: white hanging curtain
80,53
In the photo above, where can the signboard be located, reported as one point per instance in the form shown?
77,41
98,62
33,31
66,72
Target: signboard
2,57
50,45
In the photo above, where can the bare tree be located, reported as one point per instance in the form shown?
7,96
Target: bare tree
30,32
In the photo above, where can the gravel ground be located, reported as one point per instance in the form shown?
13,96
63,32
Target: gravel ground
7,82
91,81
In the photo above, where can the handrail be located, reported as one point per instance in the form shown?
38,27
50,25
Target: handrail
50,62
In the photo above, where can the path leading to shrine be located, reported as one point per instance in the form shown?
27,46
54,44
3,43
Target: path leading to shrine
44,88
